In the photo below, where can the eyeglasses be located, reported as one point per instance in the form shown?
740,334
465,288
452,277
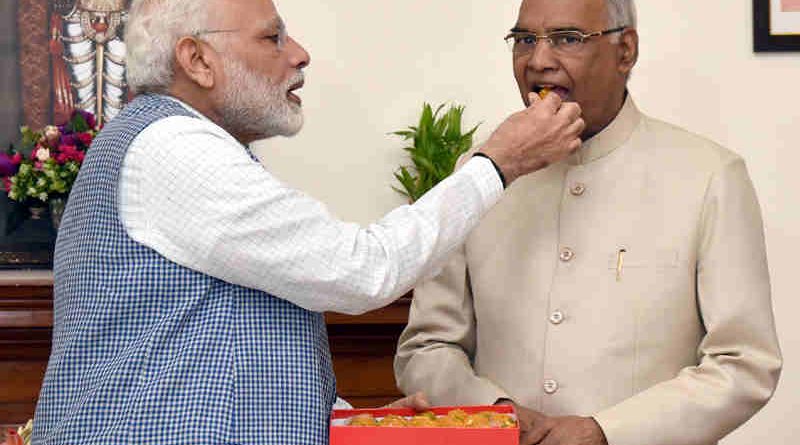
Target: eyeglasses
280,37
523,43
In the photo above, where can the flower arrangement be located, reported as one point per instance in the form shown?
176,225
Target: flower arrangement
47,162
21,436
437,142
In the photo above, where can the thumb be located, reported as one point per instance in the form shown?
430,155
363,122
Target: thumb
420,402
533,98
417,402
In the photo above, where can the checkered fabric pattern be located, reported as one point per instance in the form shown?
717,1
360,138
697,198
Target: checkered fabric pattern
149,352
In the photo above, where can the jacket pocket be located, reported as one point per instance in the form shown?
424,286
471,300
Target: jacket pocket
625,258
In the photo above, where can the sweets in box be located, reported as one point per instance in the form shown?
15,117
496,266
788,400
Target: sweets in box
490,425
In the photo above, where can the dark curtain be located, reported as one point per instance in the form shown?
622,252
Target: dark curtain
10,97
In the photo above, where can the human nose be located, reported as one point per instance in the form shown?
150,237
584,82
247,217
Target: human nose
298,56
542,57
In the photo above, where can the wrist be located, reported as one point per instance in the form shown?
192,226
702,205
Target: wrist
497,168
599,430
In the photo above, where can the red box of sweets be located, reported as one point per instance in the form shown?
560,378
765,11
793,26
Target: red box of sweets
343,434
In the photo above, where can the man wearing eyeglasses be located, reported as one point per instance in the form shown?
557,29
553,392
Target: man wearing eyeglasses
620,297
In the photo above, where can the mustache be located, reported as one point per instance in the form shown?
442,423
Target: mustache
298,78
234,65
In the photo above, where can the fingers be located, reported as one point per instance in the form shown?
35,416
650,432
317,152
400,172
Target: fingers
570,110
401,403
552,102
533,98
577,127
535,434
418,402
574,145
551,439
535,423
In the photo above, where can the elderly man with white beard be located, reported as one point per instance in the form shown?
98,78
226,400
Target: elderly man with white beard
190,283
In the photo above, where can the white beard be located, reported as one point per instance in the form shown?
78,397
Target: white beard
253,107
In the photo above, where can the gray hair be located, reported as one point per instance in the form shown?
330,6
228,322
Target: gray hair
621,13
151,32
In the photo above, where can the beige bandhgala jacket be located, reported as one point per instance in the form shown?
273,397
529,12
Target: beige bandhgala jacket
629,283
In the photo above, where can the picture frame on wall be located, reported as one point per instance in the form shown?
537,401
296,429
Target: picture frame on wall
776,25
56,56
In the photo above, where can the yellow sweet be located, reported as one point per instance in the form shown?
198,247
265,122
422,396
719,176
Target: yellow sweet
422,420
544,92
497,420
454,419
363,420
393,420
479,420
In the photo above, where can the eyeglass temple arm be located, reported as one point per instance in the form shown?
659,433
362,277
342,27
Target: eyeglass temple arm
608,31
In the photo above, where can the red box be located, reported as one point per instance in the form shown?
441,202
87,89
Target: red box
366,435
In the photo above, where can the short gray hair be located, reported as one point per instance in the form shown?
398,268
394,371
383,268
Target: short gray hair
151,32
621,13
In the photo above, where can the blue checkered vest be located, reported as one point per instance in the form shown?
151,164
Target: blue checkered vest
148,352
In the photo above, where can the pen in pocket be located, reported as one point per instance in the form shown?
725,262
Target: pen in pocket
620,255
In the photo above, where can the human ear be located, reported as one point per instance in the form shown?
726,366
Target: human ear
628,50
196,61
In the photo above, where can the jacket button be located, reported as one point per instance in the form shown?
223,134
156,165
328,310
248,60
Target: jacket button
550,386
557,317
566,254
578,189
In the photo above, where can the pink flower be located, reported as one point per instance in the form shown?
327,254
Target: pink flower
6,183
85,138
68,153
17,158
38,165
68,149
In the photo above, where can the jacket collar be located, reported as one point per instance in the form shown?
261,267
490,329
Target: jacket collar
610,138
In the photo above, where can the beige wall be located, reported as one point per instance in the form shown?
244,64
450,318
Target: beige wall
375,62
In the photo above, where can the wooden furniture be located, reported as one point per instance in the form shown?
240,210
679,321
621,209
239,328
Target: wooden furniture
362,347
363,350
26,319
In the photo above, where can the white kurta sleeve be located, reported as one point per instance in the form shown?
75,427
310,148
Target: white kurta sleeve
191,192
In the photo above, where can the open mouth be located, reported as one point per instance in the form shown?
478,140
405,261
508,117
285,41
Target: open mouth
561,91
294,97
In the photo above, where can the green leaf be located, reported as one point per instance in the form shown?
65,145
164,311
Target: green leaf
407,134
402,192
78,124
438,142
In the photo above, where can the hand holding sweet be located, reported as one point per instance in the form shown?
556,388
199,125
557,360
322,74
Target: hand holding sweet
544,133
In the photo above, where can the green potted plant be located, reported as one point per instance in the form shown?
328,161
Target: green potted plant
437,142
